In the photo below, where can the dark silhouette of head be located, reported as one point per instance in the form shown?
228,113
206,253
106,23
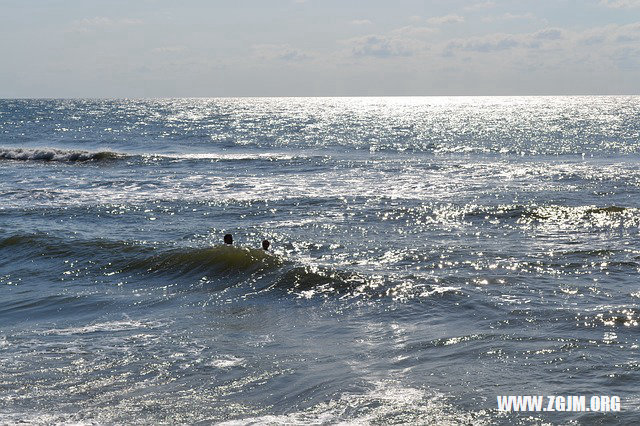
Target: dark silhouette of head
228,239
265,244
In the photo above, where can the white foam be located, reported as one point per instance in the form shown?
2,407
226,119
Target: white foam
266,155
123,325
227,361
383,404
271,156
43,419
51,154
439,290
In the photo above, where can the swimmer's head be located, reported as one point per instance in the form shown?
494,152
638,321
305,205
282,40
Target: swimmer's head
228,239
265,244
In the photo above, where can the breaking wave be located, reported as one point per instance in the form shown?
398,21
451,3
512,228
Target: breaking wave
59,155
229,265
208,260
50,154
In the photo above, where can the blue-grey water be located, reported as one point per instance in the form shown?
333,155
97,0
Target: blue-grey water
428,254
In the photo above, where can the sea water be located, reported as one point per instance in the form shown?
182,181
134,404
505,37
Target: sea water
428,255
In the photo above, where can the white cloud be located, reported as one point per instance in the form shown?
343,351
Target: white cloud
280,52
488,43
102,22
379,46
509,17
412,31
548,34
401,42
361,22
610,34
447,19
168,49
500,41
481,5
595,49
620,4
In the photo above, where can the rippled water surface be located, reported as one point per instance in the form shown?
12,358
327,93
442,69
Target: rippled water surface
428,254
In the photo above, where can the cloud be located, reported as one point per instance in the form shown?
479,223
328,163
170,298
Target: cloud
401,42
280,52
548,34
412,32
168,49
102,22
379,46
447,19
509,17
610,34
489,43
361,22
501,41
481,5
627,58
620,4
610,47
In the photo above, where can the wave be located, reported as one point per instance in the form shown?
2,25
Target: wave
311,280
41,245
543,211
221,266
513,215
51,154
124,256
379,402
207,260
214,156
60,155
257,270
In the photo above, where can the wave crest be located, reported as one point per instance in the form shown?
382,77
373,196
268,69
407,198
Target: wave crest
220,267
212,259
51,154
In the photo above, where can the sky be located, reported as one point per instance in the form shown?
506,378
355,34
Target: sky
200,48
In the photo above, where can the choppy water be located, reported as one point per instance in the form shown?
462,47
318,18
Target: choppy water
428,255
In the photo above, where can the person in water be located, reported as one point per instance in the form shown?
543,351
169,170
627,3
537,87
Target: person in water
228,239
265,245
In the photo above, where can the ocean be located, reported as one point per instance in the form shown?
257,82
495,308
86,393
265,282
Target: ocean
428,255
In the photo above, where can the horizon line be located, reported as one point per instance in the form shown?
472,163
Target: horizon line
312,96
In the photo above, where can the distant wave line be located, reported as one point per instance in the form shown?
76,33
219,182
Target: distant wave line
51,154
59,155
